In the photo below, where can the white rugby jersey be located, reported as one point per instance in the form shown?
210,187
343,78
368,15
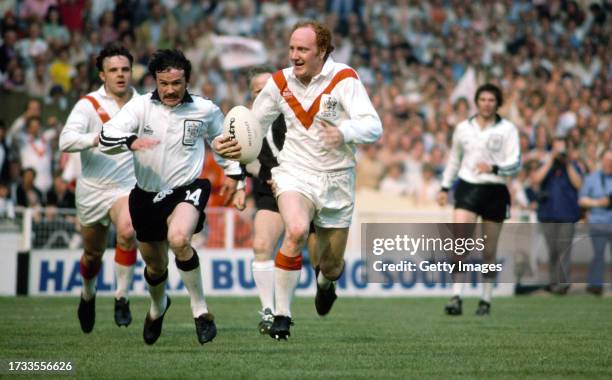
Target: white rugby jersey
179,157
83,125
335,95
497,145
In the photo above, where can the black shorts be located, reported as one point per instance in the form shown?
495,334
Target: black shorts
150,211
490,201
264,197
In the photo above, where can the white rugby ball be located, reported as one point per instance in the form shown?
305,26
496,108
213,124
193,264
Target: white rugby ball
240,124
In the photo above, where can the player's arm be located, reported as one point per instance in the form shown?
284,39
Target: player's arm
74,136
265,107
454,161
234,180
511,164
119,134
364,125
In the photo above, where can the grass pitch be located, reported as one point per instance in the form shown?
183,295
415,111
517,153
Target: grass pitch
536,337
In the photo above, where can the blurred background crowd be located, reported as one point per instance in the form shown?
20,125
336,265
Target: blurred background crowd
420,61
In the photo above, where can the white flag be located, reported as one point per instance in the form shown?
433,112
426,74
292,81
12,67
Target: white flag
237,52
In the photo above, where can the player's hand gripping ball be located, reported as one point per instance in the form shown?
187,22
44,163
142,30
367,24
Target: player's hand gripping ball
240,124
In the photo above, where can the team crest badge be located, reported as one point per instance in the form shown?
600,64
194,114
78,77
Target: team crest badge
193,130
495,142
328,107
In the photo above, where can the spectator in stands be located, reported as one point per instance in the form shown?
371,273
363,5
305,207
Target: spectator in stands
59,196
37,81
425,190
596,197
33,47
54,32
559,178
393,183
7,207
36,9
28,195
369,168
61,70
35,151
5,155
8,50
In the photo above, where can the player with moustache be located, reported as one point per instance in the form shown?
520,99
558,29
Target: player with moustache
165,131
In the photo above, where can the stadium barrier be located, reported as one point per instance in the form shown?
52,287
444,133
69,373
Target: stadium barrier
41,251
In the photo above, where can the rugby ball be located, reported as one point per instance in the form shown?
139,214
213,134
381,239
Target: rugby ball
240,124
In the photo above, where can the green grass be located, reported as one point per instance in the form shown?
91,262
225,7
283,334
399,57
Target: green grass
537,337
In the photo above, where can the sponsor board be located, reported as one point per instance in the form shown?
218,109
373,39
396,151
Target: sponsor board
56,272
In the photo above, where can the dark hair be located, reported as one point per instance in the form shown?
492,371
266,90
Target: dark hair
323,33
112,50
32,119
28,169
165,59
493,89
258,70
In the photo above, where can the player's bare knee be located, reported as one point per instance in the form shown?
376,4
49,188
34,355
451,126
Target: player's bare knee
156,270
93,254
332,270
297,233
126,236
178,240
262,248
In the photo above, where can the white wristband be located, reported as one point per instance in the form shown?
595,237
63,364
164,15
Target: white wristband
241,185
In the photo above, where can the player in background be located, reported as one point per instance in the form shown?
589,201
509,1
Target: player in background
105,182
165,131
485,151
327,111
269,225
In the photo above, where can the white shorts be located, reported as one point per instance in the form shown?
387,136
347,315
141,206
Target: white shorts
94,203
332,193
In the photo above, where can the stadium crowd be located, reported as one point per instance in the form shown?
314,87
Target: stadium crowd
420,60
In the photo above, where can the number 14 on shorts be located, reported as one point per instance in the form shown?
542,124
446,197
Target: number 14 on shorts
193,197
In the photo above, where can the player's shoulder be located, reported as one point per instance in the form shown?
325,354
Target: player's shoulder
506,124
464,124
202,102
205,105
341,69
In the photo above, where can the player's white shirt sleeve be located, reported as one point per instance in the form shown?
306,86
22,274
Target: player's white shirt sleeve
123,126
215,130
511,164
454,160
74,136
266,106
364,125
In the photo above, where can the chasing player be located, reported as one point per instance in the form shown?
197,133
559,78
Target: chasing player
103,187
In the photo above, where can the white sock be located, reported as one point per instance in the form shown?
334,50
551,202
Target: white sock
89,288
458,289
323,282
193,282
487,291
159,300
263,274
285,282
123,276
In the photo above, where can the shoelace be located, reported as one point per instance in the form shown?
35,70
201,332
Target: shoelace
266,315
